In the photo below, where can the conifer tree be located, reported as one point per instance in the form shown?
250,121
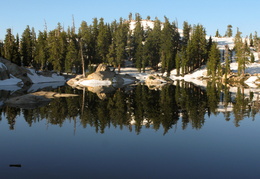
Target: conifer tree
197,48
241,52
183,54
138,37
152,45
214,61
229,32
72,55
94,34
85,34
33,48
9,46
186,33
42,50
17,56
251,41
103,40
27,47
217,34
227,61
57,41
252,58
120,42
1,48
170,38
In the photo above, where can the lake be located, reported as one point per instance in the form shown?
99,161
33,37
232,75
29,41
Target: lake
175,131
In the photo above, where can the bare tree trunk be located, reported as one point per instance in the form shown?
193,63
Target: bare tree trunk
82,59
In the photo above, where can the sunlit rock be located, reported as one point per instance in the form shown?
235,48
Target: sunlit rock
103,76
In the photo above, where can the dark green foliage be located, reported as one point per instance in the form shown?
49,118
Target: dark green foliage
103,41
217,34
112,43
170,43
229,31
197,48
137,44
42,51
11,48
213,64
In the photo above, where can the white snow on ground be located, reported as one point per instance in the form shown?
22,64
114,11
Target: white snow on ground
224,41
134,72
11,81
34,77
43,79
93,83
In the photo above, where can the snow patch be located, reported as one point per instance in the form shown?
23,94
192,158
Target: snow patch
94,83
11,81
35,78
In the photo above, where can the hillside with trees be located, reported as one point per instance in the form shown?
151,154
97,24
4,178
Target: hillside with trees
161,45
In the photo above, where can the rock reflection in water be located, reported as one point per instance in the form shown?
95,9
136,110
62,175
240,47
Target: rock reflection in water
135,107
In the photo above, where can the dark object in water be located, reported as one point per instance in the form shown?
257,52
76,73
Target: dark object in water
15,165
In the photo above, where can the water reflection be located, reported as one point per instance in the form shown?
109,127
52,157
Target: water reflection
135,107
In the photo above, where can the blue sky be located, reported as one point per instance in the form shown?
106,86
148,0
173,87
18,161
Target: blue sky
213,15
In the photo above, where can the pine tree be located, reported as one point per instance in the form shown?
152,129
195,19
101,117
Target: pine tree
217,34
214,61
9,46
57,42
170,38
85,34
152,46
183,55
27,47
1,48
42,50
251,40
241,52
138,36
186,33
227,61
197,48
252,58
94,35
178,62
17,56
229,32
72,55
120,42
103,40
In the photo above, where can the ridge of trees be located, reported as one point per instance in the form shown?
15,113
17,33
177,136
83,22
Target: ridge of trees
99,42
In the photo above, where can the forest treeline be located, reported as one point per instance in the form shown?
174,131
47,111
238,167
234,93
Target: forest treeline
66,50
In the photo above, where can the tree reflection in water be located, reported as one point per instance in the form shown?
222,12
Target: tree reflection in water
140,107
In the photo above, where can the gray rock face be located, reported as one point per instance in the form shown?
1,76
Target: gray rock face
4,73
15,70
102,67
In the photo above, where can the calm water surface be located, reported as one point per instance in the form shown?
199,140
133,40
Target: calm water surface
90,137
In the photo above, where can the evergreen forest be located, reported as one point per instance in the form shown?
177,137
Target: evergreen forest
162,48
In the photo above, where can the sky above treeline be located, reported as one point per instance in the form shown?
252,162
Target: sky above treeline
212,14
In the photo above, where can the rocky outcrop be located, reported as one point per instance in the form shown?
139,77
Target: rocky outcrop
12,74
102,76
3,72
157,80
14,70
